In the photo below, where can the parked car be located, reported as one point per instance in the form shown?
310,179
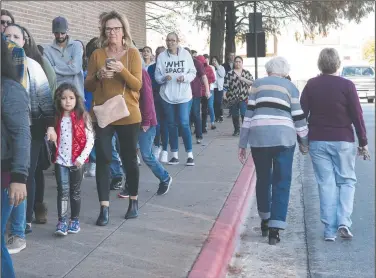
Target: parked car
363,77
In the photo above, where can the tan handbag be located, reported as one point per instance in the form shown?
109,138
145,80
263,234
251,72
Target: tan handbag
112,110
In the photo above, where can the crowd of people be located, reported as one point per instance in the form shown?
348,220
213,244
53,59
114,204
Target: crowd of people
98,108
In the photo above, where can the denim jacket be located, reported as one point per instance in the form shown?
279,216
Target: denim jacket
15,130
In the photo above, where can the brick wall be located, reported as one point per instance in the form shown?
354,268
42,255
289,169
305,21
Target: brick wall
82,17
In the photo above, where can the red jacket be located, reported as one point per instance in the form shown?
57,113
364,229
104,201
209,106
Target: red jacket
208,70
78,137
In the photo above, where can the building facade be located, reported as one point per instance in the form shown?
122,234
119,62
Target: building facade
82,17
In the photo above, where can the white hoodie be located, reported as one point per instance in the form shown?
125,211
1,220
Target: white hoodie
175,65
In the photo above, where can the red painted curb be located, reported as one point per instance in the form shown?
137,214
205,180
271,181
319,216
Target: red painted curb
217,251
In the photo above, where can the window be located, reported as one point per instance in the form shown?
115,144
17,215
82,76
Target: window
358,71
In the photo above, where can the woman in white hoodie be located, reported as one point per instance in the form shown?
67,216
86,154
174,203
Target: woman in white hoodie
174,71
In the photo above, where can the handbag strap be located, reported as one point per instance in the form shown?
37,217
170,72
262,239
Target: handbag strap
125,85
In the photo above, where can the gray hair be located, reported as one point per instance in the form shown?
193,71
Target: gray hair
278,65
329,61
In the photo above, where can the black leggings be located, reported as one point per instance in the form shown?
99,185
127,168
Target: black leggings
128,138
68,181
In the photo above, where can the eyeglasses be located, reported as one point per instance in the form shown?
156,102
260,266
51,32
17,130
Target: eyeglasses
115,29
3,22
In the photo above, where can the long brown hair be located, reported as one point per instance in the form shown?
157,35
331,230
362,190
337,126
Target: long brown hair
127,38
79,109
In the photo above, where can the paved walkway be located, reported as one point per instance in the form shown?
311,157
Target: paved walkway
163,242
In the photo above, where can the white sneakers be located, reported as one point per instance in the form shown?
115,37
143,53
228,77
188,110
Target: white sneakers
157,151
164,157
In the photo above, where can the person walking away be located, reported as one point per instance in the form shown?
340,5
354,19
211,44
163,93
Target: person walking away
220,74
146,138
207,104
331,104
75,139
161,135
175,71
273,122
106,80
65,56
235,88
15,147
42,128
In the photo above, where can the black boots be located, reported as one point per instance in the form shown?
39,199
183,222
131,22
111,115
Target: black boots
274,236
132,209
236,123
264,227
104,216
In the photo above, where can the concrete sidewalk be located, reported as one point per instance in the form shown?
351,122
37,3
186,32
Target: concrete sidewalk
163,242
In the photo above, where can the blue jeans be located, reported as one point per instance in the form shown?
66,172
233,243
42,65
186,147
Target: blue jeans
7,269
115,166
211,107
161,135
93,155
334,167
178,115
145,140
196,116
274,171
18,220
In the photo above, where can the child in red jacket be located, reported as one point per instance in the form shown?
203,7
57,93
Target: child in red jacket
75,140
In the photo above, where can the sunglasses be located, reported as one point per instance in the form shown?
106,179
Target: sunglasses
3,22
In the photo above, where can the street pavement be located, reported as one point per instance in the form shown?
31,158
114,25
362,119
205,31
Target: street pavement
302,251
166,238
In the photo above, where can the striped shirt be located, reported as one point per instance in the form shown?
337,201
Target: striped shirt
274,116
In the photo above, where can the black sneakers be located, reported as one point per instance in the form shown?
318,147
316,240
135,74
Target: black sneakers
173,161
164,186
124,193
190,162
116,183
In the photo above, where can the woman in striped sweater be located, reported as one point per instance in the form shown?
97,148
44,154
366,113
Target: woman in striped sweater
272,121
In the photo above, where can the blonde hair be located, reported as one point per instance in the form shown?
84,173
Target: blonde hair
127,38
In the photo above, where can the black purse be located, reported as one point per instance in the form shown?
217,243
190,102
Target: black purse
47,154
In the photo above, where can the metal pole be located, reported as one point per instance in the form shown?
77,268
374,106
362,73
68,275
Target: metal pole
255,32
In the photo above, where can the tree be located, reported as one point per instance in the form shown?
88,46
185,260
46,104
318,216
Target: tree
315,17
369,51
161,16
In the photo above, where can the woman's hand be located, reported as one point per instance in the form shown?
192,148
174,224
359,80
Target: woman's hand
363,151
116,66
105,73
242,155
17,193
145,128
303,149
78,164
51,134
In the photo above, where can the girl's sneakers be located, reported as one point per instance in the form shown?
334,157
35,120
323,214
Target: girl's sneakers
61,228
74,226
